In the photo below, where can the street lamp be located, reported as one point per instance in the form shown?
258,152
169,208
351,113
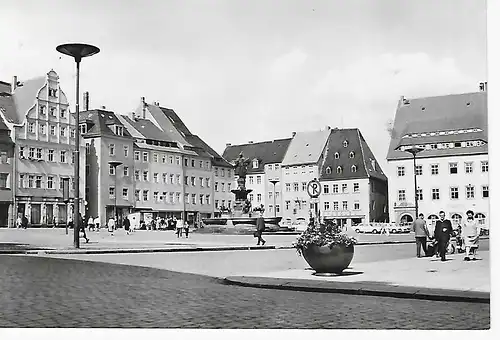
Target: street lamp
115,164
274,181
77,51
414,151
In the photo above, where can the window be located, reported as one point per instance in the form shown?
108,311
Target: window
178,160
125,171
270,194
259,198
304,186
83,128
216,186
354,168
255,164
111,192
420,195
111,149
111,169
31,179
53,111
145,157
38,182
172,178
326,189
41,110
356,187
335,188
137,155
344,188
207,182
418,170
178,179
137,175
250,179
250,197
72,133
287,187
52,130
125,193
435,194
193,198
339,169
155,177
434,169
125,151
401,171
137,195
469,191
295,186
468,167
31,127
186,163
481,219
155,196
31,153
484,166
50,182
145,195
119,130
63,156
277,208
351,154
401,195
193,181
63,131
356,205
345,144
145,176
178,197
193,163
201,199
337,155
39,153
454,193
453,168
171,160
42,129
327,205
258,179
335,205
155,157
328,170
222,185
201,181
63,113
486,191
344,205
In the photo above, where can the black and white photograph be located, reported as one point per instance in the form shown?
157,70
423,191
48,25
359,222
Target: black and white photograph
245,164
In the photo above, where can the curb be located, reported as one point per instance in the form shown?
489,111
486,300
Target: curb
359,288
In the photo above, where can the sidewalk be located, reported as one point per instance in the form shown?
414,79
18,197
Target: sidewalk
424,278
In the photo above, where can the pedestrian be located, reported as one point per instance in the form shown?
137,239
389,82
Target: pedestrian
54,223
442,234
470,232
186,228
25,222
111,225
419,227
178,227
261,226
97,223
19,221
70,221
91,224
126,225
82,228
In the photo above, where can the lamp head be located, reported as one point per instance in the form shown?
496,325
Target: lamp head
78,51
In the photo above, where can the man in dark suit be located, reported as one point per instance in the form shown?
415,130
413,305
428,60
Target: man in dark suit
261,226
442,234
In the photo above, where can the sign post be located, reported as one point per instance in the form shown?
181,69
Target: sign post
314,190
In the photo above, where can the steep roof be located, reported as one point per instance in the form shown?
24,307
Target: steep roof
4,87
362,157
4,133
100,121
8,107
145,127
177,122
268,152
306,147
217,159
442,113
25,97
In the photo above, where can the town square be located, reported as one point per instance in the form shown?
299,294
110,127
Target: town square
245,165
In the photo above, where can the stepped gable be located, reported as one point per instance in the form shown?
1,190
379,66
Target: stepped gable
357,153
306,147
440,113
269,152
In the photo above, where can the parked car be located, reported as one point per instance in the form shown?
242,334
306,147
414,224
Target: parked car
368,228
300,224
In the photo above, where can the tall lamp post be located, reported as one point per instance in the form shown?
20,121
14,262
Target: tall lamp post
77,51
414,151
274,181
115,165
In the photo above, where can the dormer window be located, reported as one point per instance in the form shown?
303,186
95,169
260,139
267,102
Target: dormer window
354,168
255,163
339,169
337,155
119,130
83,128
328,170
351,154
345,144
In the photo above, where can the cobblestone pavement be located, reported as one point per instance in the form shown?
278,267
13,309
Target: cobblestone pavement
44,292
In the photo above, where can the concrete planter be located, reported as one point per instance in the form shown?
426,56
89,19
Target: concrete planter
328,260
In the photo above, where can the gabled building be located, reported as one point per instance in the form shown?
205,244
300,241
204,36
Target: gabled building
6,174
300,165
36,112
354,187
452,170
265,166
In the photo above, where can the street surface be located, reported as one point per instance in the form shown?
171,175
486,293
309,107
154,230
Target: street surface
48,292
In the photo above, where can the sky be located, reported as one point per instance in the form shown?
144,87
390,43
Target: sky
238,71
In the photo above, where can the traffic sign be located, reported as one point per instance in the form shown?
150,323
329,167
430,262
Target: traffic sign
314,188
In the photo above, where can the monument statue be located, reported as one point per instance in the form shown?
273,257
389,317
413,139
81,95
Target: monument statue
241,164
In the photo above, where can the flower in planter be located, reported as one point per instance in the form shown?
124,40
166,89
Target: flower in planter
323,235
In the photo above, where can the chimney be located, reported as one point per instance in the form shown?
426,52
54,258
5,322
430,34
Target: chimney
14,84
328,127
293,134
103,107
483,87
86,101
250,142
228,145
143,103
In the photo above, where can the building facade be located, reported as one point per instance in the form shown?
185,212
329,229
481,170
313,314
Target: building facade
43,130
354,187
6,175
452,167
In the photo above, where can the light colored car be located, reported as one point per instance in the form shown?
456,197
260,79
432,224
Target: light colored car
368,228
299,225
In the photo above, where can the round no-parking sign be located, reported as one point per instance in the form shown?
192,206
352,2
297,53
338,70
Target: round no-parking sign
314,188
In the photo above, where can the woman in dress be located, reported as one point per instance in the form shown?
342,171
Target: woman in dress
470,232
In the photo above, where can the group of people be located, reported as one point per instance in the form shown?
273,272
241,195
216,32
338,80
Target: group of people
468,233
